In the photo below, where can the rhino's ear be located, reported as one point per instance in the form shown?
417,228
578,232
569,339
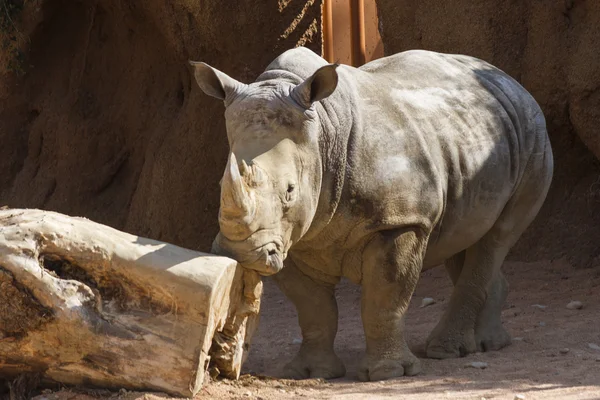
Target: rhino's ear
319,86
214,82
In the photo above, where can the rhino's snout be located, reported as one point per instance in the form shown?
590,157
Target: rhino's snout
274,259
266,260
269,260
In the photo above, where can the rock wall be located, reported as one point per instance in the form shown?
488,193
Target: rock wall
104,119
553,49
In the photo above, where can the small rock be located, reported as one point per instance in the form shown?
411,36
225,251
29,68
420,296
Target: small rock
542,323
477,364
510,311
538,306
247,394
519,397
575,305
593,346
297,341
564,351
597,359
518,339
427,301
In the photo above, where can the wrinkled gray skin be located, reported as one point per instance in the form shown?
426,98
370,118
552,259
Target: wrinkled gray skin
375,174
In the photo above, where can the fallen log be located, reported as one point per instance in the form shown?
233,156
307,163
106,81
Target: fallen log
84,304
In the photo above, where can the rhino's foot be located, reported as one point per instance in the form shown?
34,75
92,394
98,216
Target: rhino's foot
326,365
492,337
450,344
489,332
382,369
488,337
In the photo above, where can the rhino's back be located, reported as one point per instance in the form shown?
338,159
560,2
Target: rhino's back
440,138
456,80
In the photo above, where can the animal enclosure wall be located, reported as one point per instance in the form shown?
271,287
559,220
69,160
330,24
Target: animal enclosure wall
103,118
99,115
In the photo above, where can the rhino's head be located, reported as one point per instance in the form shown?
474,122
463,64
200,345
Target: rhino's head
270,188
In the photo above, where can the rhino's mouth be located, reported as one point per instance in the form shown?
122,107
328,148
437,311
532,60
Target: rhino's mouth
266,259
274,262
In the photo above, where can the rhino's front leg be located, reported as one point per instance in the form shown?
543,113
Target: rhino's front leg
392,264
318,318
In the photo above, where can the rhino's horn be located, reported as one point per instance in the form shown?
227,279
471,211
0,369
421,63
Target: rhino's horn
236,198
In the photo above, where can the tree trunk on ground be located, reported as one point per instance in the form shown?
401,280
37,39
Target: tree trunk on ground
85,304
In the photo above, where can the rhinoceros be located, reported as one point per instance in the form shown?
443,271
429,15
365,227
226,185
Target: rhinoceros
375,174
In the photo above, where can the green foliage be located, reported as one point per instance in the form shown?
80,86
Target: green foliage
10,11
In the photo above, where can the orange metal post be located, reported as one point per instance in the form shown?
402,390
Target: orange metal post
357,11
373,44
342,27
327,31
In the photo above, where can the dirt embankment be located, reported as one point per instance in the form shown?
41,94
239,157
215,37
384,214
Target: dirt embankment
551,47
102,118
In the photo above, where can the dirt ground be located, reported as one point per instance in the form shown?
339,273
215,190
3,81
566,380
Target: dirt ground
553,355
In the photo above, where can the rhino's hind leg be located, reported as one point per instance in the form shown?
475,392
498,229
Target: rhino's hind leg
455,335
318,318
472,321
489,332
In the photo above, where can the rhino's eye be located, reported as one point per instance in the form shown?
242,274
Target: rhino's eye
290,192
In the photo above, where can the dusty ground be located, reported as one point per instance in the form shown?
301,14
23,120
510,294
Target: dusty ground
537,365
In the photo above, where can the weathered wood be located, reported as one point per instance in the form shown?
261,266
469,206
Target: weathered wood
85,304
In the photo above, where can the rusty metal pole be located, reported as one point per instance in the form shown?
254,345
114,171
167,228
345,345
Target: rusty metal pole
357,13
327,30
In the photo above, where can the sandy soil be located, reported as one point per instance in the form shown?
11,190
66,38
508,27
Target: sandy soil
550,358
